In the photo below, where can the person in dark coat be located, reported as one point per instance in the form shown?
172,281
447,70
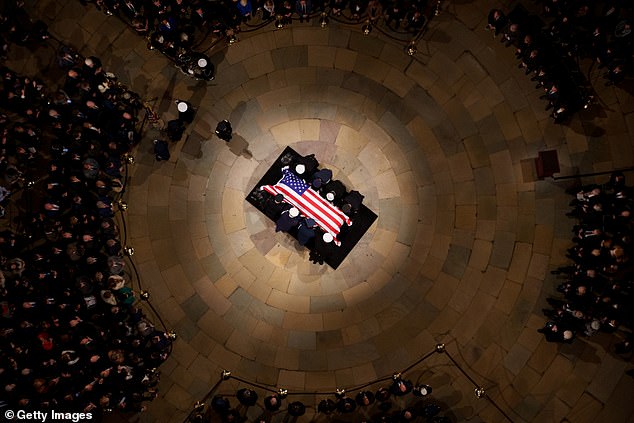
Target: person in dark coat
224,130
247,397
161,150
287,220
275,205
496,21
306,231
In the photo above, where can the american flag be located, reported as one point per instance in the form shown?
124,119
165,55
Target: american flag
299,194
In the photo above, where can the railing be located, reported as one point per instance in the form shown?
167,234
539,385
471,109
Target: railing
416,396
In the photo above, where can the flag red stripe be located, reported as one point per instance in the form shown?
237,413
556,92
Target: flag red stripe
323,205
305,206
295,200
324,208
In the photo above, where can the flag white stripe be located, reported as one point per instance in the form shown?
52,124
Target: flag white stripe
292,197
299,202
323,204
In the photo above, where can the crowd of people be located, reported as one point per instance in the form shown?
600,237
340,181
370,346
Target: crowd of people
597,290
549,52
399,402
72,335
173,26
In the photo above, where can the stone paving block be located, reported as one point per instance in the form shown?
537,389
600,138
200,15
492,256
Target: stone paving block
358,293
303,322
443,66
397,82
360,332
178,395
526,120
492,357
440,91
520,261
441,292
622,155
554,376
371,68
186,329
465,193
508,296
487,208
288,302
178,285
465,293
250,89
507,219
350,356
506,194
292,379
480,254
554,410
503,246
516,358
317,380
513,95
493,280
361,43
619,405
465,217
606,378
329,339
491,92
387,185
478,154
421,74
538,266
585,410
373,158
471,66
243,322
464,238
571,390
484,181
461,118
480,109
460,167
277,79
530,406
525,380
345,59
301,75
195,307
485,229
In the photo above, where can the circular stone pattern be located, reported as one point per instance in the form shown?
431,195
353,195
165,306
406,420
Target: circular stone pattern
459,251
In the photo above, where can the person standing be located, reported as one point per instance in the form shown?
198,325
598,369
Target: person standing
224,130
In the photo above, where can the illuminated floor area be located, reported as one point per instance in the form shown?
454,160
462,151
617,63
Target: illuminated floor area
460,252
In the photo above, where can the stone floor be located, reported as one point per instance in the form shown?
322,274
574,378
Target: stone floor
461,250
